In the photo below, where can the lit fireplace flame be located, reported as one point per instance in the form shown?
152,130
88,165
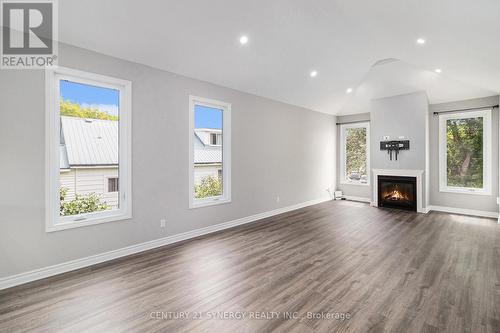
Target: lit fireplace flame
396,195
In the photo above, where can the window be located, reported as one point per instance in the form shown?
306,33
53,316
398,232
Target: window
216,138
465,152
88,140
112,184
210,152
355,153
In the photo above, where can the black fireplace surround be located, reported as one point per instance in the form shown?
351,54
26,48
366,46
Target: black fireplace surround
397,192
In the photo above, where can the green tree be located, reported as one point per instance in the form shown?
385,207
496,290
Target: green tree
81,204
464,145
68,108
208,187
355,146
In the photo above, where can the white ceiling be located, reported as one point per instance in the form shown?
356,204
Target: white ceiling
397,77
289,38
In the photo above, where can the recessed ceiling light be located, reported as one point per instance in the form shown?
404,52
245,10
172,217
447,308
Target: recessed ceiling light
313,74
421,41
243,40
349,90
438,70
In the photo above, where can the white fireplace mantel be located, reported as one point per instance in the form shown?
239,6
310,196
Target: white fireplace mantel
398,172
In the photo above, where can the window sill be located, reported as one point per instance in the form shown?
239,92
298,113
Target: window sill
87,222
355,184
208,202
464,191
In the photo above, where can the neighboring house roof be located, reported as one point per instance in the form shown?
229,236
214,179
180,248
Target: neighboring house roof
207,156
88,142
204,153
94,142
204,134
63,160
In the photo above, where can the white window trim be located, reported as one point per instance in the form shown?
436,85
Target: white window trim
53,221
226,152
487,153
343,129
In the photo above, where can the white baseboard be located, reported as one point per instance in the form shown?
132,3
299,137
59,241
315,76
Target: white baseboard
18,279
453,210
354,198
463,211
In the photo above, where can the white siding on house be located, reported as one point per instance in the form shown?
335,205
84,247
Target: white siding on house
202,171
67,180
83,181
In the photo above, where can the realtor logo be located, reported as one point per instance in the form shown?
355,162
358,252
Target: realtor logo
29,31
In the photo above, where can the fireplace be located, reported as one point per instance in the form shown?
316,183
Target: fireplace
397,192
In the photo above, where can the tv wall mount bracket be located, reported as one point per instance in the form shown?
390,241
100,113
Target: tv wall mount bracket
394,147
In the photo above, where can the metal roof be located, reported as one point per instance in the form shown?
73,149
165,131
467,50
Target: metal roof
89,141
206,156
94,142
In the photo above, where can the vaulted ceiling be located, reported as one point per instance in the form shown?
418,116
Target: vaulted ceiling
341,40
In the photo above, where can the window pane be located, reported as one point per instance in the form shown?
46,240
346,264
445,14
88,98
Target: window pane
464,149
207,152
355,151
89,119
112,184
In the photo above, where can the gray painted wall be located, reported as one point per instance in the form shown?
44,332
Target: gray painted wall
403,115
406,115
458,200
277,149
360,191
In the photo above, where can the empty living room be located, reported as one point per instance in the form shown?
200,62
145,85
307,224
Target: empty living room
249,166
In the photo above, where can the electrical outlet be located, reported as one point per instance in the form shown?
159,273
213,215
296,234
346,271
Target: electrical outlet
278,198
498,201
163,223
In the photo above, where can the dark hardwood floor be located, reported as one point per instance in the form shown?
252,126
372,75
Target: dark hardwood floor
362,269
